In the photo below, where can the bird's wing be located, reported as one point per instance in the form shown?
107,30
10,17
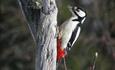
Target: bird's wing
74,36
32,14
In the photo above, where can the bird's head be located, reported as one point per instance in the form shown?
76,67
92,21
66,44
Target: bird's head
78,13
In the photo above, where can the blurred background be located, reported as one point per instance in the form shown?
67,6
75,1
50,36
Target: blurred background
17,48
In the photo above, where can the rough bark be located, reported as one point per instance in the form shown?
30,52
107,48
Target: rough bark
42,23
46,55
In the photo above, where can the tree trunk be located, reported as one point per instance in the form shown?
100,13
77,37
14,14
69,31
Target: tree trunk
42,23
46,55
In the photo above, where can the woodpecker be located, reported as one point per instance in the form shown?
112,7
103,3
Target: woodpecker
69,31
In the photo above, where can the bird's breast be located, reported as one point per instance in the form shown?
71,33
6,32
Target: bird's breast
67,32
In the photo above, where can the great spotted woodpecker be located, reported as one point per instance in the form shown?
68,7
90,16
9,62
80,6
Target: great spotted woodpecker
69,31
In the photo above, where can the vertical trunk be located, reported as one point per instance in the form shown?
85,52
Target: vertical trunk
42,23
46,52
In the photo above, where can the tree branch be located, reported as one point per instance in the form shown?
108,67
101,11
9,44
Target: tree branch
32,14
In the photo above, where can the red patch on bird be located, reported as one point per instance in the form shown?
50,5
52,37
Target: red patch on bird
60,51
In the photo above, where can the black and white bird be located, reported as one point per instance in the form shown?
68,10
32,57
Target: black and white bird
69,31
71,28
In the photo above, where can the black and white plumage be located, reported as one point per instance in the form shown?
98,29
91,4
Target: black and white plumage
71,28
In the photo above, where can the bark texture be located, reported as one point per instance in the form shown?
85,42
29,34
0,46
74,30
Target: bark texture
42,23
46,55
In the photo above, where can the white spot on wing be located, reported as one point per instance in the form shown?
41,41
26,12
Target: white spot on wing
78,33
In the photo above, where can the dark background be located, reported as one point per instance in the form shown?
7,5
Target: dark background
17,48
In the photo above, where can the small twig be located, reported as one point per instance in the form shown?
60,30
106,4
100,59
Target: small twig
96,55
65,66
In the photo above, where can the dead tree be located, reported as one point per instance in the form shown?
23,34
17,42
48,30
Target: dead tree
42,21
